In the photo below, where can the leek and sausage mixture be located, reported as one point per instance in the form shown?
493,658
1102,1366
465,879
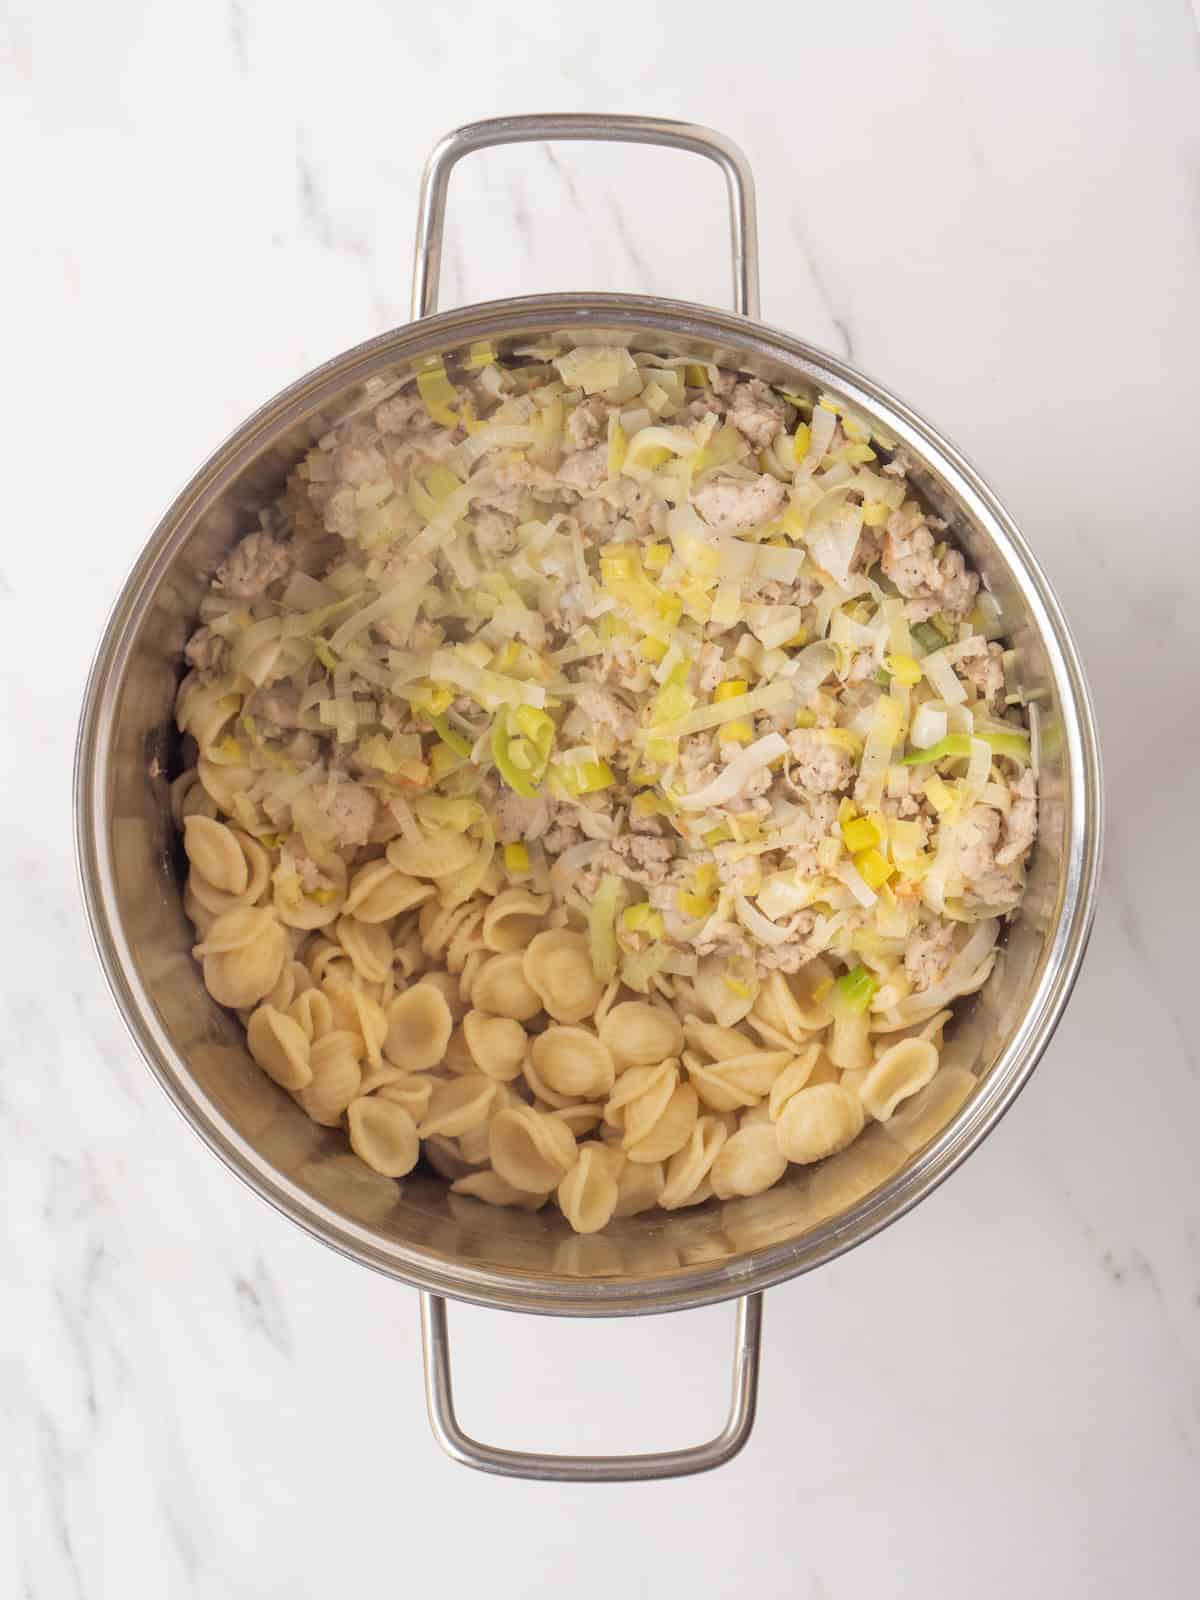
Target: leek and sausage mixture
675,654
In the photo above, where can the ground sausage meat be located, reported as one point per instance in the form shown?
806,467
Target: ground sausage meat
585,469
1020,823
208,652
931,582
588,423
983,666
637,856
495,533
515,817
253,566
350,808
929,954
817,765
985,880
728,503
607,713
757,413
712,667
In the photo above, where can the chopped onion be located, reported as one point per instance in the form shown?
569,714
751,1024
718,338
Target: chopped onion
769,933
772,626
807,671
773,564
846,872
943,678
823,426
833,546
979,767
929,727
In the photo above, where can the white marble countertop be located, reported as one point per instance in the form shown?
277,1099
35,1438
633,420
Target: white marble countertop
993,210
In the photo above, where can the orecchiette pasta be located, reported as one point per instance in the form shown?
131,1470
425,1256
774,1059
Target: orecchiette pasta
639,1185
368,946
818,1122
312,1011
513,918
226,784
188,798
558,968
466,978
437,854
419,1025
199,916
449,985
458,1058
446,1158
779,1013
687,1175
648,1088
583,1117
243,954
748,1162
496,1045
736,1081
280,1046
458,1105
496,1191
849,1044
546,1083
377,892
474,1142
412,1090
637,1034
716,1042
795,1076
336,1077
572,1062
501,988
228,867
451,933
531,1150
588,1194
897,1074
656,1121
383,1134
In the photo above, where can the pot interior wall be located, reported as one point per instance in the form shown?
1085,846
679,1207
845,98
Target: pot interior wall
252,1123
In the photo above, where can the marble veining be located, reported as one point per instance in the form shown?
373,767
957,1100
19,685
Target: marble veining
994,210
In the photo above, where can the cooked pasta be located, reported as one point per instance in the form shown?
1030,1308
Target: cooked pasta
601,780
383,1134
588,1194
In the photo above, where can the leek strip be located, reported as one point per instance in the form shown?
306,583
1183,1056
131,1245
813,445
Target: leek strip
766,698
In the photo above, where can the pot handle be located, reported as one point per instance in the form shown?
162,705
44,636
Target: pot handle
469,1452
431,207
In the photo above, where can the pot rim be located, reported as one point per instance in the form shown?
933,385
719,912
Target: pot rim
753,1270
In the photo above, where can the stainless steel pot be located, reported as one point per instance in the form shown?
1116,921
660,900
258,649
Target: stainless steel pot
442,1244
